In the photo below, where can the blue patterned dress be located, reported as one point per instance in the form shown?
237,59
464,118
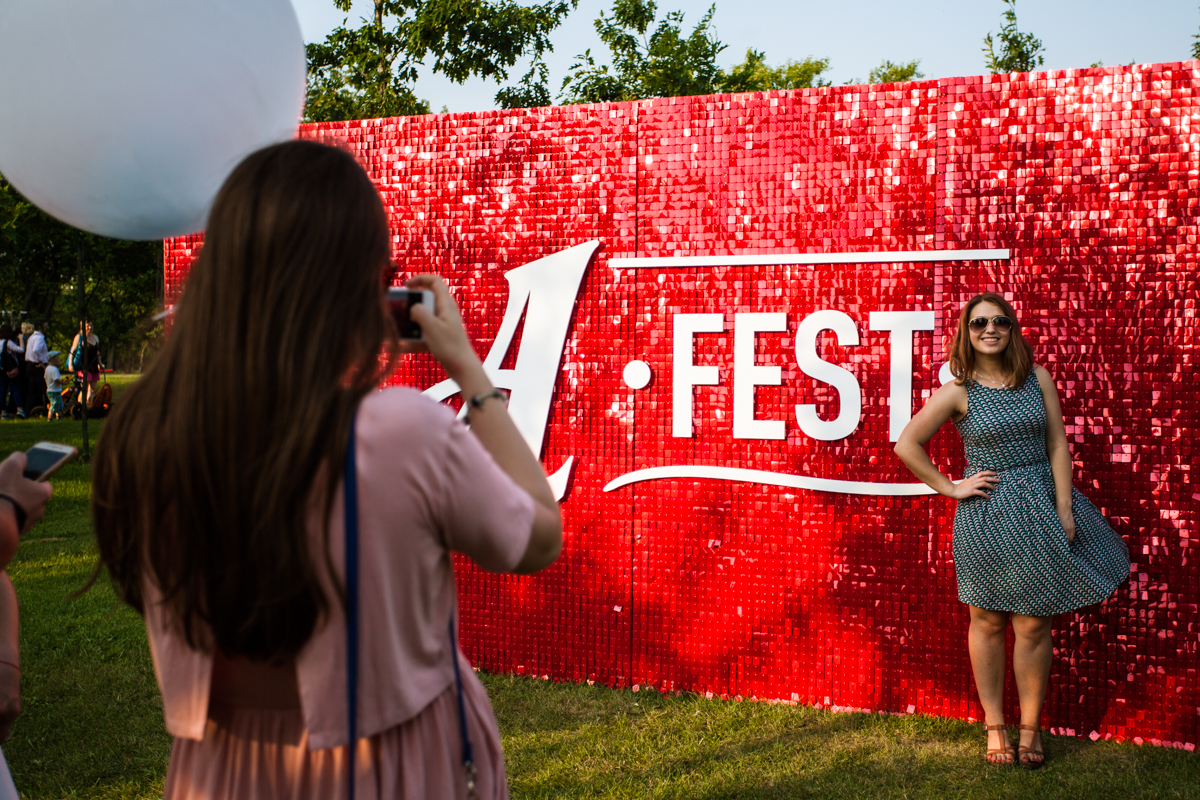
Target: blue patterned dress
1010,550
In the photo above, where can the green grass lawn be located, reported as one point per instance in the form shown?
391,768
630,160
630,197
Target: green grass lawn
92,724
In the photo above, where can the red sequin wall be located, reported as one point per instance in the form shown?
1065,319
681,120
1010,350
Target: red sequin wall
679,572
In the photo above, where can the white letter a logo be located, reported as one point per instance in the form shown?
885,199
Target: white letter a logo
544,291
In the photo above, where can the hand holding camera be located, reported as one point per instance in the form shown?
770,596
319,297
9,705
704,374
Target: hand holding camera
401,303
443,335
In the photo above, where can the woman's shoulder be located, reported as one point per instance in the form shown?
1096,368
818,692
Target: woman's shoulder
404,411
951,391
1044,379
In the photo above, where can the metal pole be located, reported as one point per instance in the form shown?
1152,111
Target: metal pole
81,390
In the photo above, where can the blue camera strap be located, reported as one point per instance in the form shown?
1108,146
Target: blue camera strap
350,493
467,759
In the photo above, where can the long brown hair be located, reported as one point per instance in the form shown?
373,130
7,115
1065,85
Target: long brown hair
210,464
1017,358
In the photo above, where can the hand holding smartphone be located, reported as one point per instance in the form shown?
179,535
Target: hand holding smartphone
23,484
401,302
45,458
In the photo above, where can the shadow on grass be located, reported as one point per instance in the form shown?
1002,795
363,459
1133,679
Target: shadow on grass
92,719
574,741
91,724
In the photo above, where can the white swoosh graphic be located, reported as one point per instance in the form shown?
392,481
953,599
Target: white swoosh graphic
801,259
769,478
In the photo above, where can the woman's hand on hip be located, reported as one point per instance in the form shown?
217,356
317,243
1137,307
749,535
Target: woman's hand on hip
1067,518
980,484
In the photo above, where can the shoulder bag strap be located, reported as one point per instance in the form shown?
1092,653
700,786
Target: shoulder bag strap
468,761
350,497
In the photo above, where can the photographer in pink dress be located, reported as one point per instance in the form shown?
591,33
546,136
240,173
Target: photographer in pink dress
220,506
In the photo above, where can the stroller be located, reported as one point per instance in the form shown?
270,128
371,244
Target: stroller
73,403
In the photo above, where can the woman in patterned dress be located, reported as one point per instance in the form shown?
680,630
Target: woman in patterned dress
1027,544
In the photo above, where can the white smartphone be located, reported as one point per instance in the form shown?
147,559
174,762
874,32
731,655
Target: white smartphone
401,302
44,459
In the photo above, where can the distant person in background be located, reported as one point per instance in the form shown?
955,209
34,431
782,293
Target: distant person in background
53,381
85,357
36,358
22,340
12,357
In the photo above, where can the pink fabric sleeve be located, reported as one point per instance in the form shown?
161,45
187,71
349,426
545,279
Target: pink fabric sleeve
183,674
484,515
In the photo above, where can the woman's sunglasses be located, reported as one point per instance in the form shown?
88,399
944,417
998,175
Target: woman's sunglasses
979,324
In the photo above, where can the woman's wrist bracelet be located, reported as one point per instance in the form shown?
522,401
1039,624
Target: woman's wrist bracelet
18,512
478,400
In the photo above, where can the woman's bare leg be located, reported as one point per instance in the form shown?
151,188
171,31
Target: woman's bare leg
985,641
1032,653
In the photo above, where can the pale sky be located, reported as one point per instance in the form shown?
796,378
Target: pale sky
946,35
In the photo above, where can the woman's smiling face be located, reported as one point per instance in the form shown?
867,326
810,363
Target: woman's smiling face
989,341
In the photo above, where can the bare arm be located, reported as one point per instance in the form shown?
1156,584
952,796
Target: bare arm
947,402
10,658
1057,451
10,652
32,497
446,339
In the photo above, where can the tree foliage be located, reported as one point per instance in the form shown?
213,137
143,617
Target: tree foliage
1196,45
369,71
887,72
36,256
661,58
1019,52
39,261
531,91
755,75
650,57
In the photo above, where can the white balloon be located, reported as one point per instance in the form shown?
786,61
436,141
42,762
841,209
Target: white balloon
123,117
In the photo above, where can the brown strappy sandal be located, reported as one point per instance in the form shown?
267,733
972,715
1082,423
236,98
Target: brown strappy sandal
1029,757
994,754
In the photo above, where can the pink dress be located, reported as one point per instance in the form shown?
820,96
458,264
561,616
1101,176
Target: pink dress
426,488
